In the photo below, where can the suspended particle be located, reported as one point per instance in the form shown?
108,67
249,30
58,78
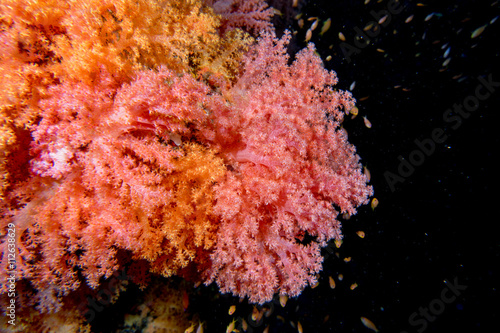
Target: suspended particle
341,37
352,86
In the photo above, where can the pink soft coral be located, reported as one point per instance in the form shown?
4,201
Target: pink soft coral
108,178
252,15
292,172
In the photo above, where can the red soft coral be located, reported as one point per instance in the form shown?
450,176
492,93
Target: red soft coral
292,172
108,177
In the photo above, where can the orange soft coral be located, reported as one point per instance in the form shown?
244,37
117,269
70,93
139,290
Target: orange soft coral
46,42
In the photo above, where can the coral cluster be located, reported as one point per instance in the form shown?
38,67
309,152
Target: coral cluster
159,136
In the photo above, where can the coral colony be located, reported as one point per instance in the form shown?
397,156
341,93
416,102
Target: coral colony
160,137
